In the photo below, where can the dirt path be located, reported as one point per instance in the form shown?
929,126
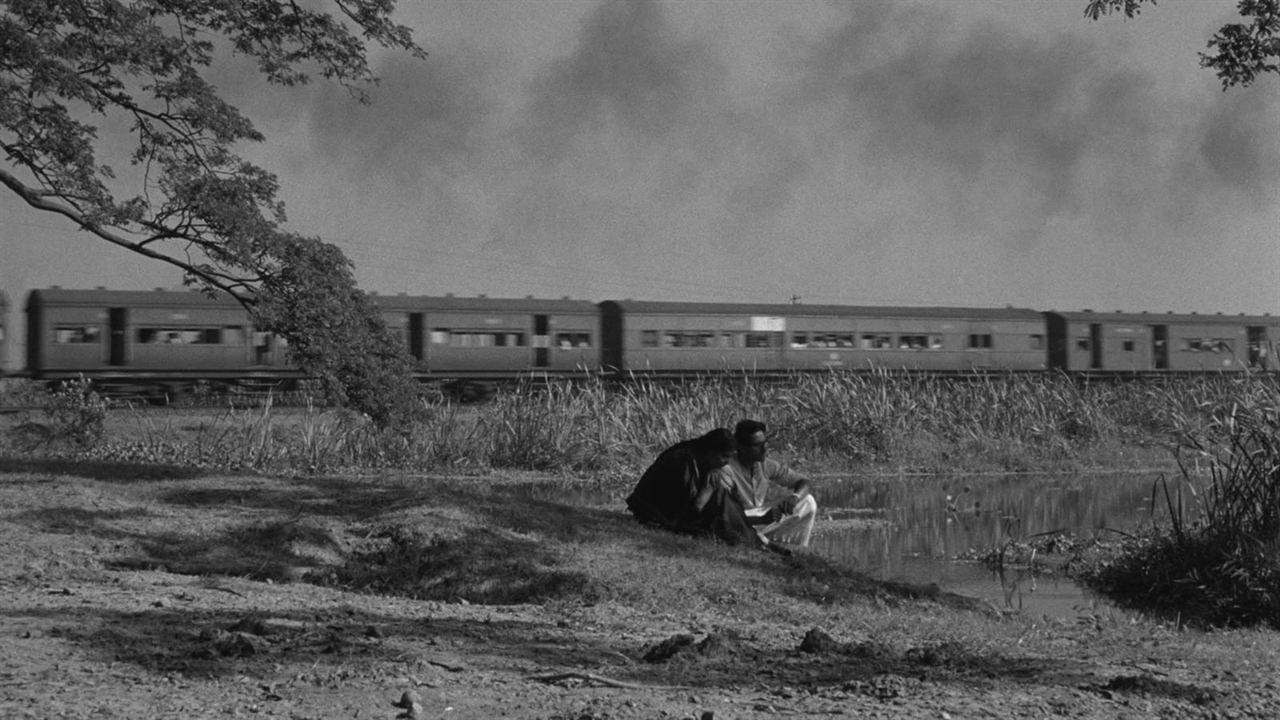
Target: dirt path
177,595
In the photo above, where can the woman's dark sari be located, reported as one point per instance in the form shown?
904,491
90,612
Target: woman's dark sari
668,496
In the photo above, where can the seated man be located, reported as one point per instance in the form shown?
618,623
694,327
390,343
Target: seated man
749,475
677,492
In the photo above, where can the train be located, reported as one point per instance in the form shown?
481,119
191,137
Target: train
180,336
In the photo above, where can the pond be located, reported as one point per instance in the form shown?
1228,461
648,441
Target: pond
928,530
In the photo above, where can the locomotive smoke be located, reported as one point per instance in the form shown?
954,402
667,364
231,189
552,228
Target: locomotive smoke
940,162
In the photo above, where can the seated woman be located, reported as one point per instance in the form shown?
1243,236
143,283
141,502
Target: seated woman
676,492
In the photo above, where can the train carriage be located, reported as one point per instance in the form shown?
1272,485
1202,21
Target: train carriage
1147,342
71,331
478,336
665,337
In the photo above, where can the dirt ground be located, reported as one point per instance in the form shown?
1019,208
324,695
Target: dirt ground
142,592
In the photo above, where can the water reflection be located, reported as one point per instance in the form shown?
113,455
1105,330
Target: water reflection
920,529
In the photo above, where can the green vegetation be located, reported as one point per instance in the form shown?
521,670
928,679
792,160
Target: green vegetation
85,85
1211,561
1215,561
605,429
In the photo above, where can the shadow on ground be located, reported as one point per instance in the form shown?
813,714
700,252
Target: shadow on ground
347,642
98,469
339,532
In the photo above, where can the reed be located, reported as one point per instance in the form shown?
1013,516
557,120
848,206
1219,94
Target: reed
1213,556
610,428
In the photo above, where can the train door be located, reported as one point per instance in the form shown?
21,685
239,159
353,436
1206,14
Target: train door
541,341
1257,344
415,336
118,336
1160,346
1095,346
263,348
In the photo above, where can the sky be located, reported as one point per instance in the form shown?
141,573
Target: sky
877,152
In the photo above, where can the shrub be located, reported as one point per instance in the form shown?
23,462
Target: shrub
1217,561
76,413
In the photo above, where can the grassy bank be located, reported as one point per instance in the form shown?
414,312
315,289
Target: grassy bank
606,430
132,591
1210,558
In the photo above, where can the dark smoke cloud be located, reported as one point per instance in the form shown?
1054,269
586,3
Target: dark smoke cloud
1057,128
898,140
629,70
688,162
1239,143
985,112
420,128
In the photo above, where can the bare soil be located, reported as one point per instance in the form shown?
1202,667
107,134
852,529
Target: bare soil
152,592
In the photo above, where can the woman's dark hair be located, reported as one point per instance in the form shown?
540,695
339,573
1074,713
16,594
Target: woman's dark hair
714,442
717,441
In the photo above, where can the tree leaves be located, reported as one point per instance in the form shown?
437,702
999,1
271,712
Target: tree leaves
1240,52
71,67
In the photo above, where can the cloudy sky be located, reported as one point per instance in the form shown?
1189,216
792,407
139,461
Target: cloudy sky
963,152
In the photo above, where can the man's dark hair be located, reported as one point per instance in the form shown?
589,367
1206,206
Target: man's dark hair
743,431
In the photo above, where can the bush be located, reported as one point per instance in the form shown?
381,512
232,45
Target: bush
1217,561
76,413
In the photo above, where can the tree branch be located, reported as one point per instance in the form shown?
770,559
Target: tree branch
39,200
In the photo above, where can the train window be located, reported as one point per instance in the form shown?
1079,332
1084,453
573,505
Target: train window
439,336
871,341
762,339
1207,345
799,340
1082,343
567,340
980,341
1129,345
726,340
935,342
913,342
76,334
684,339
179,336
831,340
485,338
648,338
1037,342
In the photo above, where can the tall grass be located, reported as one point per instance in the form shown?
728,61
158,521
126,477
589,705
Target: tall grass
1214,560
605,427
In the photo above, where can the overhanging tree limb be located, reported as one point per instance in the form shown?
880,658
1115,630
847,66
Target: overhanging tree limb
68,66
40,201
